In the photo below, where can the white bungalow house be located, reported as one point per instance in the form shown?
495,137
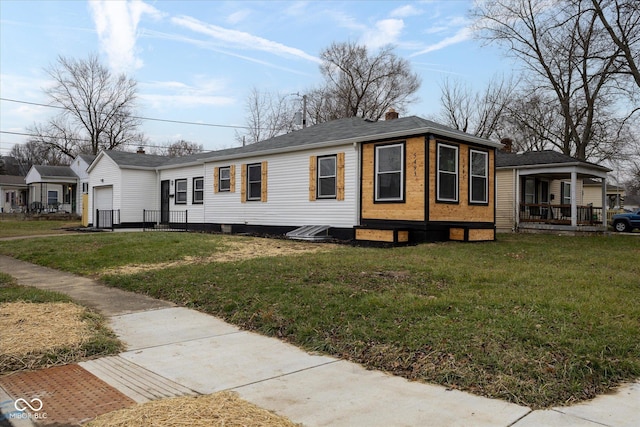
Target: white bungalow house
59,188
397,180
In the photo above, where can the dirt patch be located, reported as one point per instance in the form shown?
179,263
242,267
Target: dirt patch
234,250
219,409
31,330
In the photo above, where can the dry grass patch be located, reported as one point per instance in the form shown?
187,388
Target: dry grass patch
235,250
219,409
36,335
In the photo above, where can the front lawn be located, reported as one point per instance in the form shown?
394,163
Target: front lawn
535,320
15,228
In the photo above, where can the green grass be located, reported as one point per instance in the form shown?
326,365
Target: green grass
15,228
536,320
102,341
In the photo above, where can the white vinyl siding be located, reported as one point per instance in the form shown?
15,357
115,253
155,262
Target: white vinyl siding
288,187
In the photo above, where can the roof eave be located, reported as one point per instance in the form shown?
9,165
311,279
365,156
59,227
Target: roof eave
356,140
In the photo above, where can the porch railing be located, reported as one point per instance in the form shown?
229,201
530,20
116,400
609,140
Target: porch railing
559,214
158,220
107,218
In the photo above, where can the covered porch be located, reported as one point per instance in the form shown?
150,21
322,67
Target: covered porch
552,198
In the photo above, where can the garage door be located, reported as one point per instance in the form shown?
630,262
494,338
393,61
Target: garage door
103,202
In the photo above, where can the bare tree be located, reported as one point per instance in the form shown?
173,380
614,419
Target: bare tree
621,19
36,153
480,113
567,56
180,148
97,108
268,115
358,83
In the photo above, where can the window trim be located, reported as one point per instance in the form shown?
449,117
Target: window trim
195,190
319,177
376,173
221,180
249,182
473,201
456,173
176,200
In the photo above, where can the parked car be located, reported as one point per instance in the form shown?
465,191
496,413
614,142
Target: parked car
626,221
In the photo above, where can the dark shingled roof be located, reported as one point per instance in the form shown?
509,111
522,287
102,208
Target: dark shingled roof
532,158
88,158
47,171
353,128
125,158
14,180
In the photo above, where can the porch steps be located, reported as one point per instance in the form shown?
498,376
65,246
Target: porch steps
310,232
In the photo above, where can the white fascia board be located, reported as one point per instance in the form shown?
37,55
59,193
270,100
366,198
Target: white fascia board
182,165
561,167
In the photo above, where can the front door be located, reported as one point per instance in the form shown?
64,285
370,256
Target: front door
164,202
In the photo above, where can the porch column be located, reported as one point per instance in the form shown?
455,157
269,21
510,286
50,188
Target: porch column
605,205
574,206
516,208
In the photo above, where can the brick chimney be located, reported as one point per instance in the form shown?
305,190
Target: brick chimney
508,145
140,150
391,114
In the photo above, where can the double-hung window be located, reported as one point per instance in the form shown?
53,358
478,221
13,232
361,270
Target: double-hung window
254,181
479,177
327,177
447,173
224,179
181,191
389,167
198,190
52,197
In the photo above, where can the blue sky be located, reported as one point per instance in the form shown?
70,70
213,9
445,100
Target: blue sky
197,61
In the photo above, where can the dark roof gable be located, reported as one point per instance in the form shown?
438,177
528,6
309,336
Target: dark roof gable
47,171
533,158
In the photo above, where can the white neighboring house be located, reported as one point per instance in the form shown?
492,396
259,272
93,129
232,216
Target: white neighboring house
52,189
59,188
397,180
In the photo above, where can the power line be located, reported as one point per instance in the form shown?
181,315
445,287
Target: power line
131,144
134,117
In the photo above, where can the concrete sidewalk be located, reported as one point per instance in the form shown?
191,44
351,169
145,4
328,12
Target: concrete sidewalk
173,351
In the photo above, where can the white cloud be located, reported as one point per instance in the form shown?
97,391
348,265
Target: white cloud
161,95
238,16
383,33
241,39
405,11
116,24
462,35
